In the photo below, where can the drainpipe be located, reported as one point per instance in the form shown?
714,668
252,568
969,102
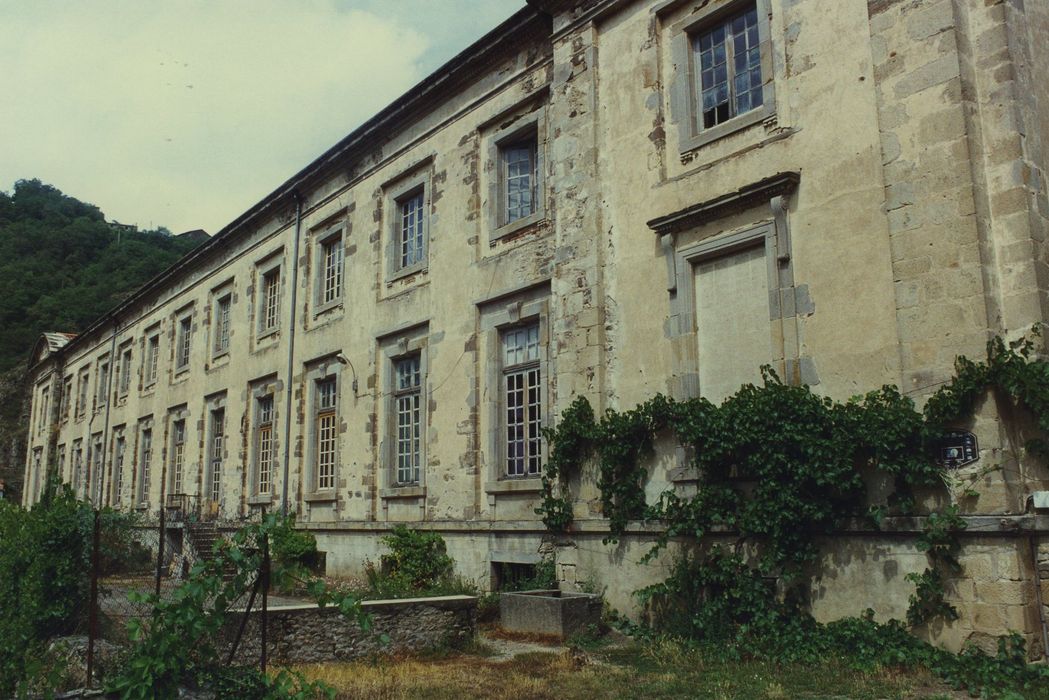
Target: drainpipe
109,402
291,354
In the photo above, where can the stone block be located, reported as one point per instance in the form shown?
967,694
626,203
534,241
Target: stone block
931,74
551,612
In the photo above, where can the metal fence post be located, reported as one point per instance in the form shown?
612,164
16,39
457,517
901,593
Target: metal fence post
92,612
265,574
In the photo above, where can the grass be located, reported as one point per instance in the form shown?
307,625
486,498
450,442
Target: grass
613,671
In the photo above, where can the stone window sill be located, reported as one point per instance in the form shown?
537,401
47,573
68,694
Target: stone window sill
321,497
514,486
403,492
330,306
260,500
267,334
733,125
507,230
419,268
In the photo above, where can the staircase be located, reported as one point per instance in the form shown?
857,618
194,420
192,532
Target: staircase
202,537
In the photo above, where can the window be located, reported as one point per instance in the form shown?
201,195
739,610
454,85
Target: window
67,397
81,403
182,344
411,239
95,479
724,81
407,393
331,271
264,456
728,62
62,461
78,467
178,454
102,388
519,178
216,448
45,407
145,458
125,371
222,317
269,316
118,469
522,394
326,430
152,359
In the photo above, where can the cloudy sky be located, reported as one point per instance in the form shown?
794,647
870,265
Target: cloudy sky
183,114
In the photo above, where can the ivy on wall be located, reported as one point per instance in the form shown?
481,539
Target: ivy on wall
779,466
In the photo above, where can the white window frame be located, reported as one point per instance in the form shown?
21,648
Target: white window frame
325,413
394,347
125,358
67,398
222,322
270,295
686,106
330,263
102,382
215,447
416,180
117,469
183,341
517,378
83,390
144,458
177,455
529,125
501,313
151,366
263,457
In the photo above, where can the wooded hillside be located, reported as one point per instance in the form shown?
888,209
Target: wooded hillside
61,267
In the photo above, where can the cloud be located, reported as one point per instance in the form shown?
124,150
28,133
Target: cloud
184,114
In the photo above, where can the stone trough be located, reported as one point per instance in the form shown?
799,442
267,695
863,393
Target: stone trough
550,612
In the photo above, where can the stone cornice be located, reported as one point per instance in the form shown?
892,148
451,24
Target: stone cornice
698,214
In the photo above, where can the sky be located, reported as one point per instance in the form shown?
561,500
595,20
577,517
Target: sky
184,113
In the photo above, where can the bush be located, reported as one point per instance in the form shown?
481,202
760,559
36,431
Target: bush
417,560
44,580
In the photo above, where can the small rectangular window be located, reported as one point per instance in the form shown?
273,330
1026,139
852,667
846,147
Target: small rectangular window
217,446
81,403
728,67
331,270
407,394
152,359
125,371
185,330
519,178
222,317
412,237
118,469
178,455
145,458
102,390
45,408
270,312
522,401
326,431
264,444
67,397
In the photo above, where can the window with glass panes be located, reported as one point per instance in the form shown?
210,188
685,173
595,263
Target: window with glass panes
67,397
44,407
78,467
217,446
125,371
407,402
522,401
152,358
102,390
326,431
145,457
270,300
222,314
519,178
178,454
728,67
95,479
264,444
331,270
185,328
412,236
118,469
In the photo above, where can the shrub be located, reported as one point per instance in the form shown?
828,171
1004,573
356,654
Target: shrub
417,560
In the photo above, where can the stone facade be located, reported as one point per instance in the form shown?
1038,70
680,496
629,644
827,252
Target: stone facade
885,204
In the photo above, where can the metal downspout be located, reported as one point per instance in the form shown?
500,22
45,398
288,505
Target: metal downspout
291,354
109,402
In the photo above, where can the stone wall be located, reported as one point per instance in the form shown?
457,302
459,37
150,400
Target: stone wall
309,634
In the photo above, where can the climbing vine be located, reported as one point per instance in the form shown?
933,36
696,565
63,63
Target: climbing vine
778,466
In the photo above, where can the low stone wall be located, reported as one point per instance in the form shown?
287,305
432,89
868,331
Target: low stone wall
308,633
